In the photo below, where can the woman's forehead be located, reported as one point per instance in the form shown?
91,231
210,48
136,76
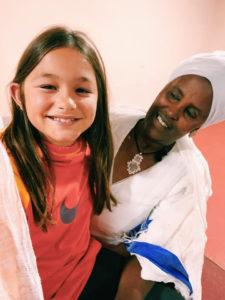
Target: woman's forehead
196,87
192,79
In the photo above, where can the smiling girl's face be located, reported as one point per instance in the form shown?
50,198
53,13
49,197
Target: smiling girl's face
180,108
60,96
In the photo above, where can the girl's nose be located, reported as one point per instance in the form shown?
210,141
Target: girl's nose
66,103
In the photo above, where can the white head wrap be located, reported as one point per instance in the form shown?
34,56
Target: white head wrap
211,66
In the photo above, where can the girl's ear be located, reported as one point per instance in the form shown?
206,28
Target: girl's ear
14,90
193,132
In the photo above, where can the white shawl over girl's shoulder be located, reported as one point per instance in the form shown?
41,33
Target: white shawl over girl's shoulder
19,277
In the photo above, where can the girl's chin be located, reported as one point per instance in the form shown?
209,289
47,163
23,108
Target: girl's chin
60,142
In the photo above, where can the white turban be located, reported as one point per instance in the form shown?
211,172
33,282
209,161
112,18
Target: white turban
211,66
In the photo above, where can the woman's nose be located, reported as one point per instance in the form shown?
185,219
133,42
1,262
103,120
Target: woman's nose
173,112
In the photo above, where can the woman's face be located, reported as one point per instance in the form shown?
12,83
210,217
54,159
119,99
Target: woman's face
180,108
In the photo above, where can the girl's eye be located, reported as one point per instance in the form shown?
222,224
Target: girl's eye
48,87
82,91
174,96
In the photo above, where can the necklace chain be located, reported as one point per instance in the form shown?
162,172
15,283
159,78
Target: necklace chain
134,165
137,145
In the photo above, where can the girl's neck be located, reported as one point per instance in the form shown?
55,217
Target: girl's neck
60,147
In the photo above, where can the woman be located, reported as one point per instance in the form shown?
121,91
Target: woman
162,182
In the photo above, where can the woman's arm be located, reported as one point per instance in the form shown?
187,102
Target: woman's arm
131,285
119,249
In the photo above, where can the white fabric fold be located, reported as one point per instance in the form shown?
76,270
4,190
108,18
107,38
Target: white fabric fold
212,66
19,278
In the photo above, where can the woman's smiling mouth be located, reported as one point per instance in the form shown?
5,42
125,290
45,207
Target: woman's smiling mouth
161,121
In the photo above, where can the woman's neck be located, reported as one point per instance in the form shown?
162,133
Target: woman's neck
144,141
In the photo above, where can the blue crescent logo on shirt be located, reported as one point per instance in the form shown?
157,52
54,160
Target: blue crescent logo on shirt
67,215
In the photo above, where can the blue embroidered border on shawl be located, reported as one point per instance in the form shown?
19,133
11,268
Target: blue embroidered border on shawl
162,258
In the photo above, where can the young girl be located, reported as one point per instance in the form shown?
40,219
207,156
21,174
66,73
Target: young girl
60,147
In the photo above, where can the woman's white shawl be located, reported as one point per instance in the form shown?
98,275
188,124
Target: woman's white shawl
173,194
19,277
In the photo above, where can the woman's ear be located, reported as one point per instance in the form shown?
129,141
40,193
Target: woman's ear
14,90
193,132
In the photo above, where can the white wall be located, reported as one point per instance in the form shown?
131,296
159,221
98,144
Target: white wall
141,41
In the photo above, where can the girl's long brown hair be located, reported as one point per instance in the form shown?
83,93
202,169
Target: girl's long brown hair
23,139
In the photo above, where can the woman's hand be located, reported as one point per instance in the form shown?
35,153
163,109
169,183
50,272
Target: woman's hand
131,285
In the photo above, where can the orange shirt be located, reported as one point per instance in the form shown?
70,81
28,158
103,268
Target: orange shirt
66,253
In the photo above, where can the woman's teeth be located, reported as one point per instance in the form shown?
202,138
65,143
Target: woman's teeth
162,122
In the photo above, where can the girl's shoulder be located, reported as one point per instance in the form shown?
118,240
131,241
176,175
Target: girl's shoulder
123,118
24,195
122,112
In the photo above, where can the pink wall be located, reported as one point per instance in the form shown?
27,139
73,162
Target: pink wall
211,142
140,40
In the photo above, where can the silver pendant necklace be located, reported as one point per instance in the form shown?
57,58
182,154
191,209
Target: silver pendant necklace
134,165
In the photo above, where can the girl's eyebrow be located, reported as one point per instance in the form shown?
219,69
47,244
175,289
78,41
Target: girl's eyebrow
84,79
47,75
50,75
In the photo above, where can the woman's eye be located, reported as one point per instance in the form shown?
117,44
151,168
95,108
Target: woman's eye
174,96
82,91
48,87
191,113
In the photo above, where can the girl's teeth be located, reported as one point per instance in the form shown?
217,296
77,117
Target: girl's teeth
162,122
63,120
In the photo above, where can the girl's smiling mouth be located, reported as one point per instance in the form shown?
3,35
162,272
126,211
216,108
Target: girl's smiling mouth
64,120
